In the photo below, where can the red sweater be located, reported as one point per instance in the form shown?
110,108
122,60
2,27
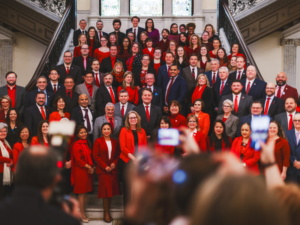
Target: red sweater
17,149
211,146
178,120
133,94
150,53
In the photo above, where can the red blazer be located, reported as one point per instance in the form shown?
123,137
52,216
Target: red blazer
282,153
250,156
289,92
200,139
211,146
204,122
178,121
126,140
55,116
2,116
146,51
34,141
77,51
4,159
100,155
17,149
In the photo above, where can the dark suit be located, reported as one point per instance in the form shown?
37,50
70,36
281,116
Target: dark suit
27,202
102,98
59,86
138,31
257,90
33,117
177,92
103,34
157,96
71,103
207,97
78,61
209,75
282,118
217,88
244,119
101,75
137,75
292,172
106,66
163,75
76,36
154,119
20,96
74,72
77,116
31,95
275,107
118,113
121,35
244,107
190,80
233,75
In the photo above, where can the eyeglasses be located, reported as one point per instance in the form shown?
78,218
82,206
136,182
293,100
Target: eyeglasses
85,48
226,106
297,121
132,118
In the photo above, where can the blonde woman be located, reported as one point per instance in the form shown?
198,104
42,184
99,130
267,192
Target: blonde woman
81,41
118,72
5,106
195,45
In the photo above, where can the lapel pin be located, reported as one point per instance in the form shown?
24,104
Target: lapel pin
243,97
176,121
254,83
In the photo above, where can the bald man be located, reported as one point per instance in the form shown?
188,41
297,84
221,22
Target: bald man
283,90
271,104
253,86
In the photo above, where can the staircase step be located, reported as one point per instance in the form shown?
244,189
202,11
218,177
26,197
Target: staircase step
92,199
96,211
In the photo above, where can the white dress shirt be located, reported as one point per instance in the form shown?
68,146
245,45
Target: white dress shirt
98,75
151,88
39,107
238,98
109,147
223,82
53,85
149,108
125,106
237,73
67,66
281,90
247,81
196,71
107,87
136,32
90,117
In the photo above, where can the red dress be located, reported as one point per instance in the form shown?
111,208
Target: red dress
190,51
211,146
55,116
80,176
100,55
200,139
156,67
133,94
17,149
125,56
178,120
150,53
108,181
34,141
282,153
212,55
77,51
164,149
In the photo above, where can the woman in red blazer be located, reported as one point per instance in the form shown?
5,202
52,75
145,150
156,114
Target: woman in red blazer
106,152
82,168
5,105
241,148
132,140
59,106
22,142
149,50
128,85
177,120
42,134
218,141
193,129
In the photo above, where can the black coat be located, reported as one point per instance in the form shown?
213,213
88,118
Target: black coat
137,75
275,107
157,97
76,36
31,95
102,98
233,75
207,97
71,103
77,115
78,61
59,87
13,135
74,72
106,66
226,91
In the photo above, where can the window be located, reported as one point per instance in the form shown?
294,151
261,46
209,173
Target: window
145,7
182,7
110,7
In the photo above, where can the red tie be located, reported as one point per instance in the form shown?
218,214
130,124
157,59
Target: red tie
82,32
239,76
147,112
97,80
267,107
112,95
43,113
54,88
68,70
236,104
134,34
112,124
214,78
100,35
291,122
168,71
222,87
122,111
279,92
193,72
168,91
248,88
90,90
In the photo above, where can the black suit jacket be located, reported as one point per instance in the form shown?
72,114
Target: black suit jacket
19,97
76,36
226,91
33,117
257,90
139,31
106,66
191,82
77,115
154,120
59,86
102,98
157,96
78,61
71,103
207,97
30,98
27,202
121,35
103,34
233,75
275,107
74,72
137,75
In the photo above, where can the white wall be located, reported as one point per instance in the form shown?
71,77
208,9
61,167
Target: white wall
268,55
27,54
209,4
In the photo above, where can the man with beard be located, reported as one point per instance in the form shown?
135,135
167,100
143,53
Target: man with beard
286,118
100,33
164,43
119,35
16,93
283,90
240,73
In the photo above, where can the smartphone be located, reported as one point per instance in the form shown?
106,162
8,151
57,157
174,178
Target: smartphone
168,137
259,130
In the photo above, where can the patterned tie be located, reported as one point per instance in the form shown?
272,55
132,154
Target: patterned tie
88,124
84,63
193,73
147,112
112,95
248,88
169,71
214,78
112,124
222,87
54,88
291,122
122,111
267,107
97,80
168,91
236,104
279,92
43,112
239,76
68,70
90,89
134,34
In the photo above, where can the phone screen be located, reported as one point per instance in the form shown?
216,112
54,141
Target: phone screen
168,137
259,130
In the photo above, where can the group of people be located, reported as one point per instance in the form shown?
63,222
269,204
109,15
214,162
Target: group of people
121,88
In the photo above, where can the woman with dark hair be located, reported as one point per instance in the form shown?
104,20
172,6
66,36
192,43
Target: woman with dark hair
13,122
172,48
143,37
118,72
124,50
194,46
212,33
242,149
193,130
106,153
177,120
42,134
149,50
140,72
81,41
151,31
92,40
235,47
103,51
204,41
232,65
112,40
82,168
174,33
218,141
282,148
222,57
23,141
181,59
183,40
216,45
128,85
135,59
59,110
204,59
157,61
5,102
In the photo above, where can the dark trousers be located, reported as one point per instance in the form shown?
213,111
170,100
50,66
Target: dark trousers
5,190
123,170
294,178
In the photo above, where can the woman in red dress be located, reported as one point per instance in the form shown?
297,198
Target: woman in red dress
124,50
118,72
128,85
82,168
103,51
241,148
222,57
81,41
149,50
195,45
177,120
193,130
22,142
157,62
106,153
42,134
172,48
204,59
216,45
59,110
92,40
5,106
135,59
218,141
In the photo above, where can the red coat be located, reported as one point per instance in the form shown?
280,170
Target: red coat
55,116
4,159
34,141
282,153
133,94
200,139
211,146
289,92
190,51
146,51
178,121
165,149
126,140
250,156
17,149
77,51
203,121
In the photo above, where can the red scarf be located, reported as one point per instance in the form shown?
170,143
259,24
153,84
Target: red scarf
118,77
198,93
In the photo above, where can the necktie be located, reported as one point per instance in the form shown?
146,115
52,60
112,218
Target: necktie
214,78
134,34
69,94
97,80
82,32
68,70
168,71
248,88
222,87
267,107
54,88
112,124
100,35
117,36
193,72
291,122
90,90
236,104
279,92
239,76
88,124
168,91
112,95
84,63
122,111
147,112
43,113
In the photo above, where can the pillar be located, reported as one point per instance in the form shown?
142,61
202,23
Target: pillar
124,15
94,13
6,58
198,16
